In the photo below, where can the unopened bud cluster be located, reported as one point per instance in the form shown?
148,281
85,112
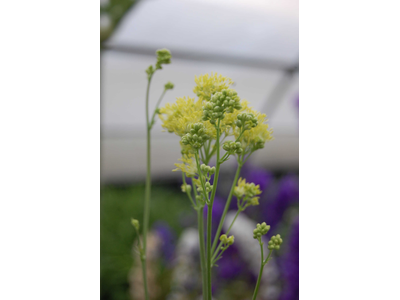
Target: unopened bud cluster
196,137
163,57
246,120
227,241
233,147
207,169
260,230
220,103
207,186
258,143
275,242
186,188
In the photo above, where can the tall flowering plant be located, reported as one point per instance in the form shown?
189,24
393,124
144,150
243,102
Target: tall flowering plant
222,125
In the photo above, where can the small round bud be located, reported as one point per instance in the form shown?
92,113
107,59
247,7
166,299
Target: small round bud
169,86
135,223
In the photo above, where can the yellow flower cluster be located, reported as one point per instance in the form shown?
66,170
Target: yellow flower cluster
178,116
248,191
207,85
254,137
188,165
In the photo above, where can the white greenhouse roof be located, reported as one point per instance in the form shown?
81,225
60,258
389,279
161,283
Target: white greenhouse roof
262,33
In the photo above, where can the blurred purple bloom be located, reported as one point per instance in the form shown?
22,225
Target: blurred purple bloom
285,195
168,240
258,176
290,266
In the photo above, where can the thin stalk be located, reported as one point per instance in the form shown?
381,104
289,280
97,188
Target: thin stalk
202,251
228,203
145,278
155,110
147,194
201,176
229,229
209,215
263,263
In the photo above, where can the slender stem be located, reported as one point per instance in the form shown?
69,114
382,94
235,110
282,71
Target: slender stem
215,259
260,273
263,263
209,214
228,203
147,194
202,251
201,176
187,192
155,110
229,229
145,278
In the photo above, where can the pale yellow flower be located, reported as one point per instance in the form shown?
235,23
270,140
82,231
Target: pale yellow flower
207,85
188,165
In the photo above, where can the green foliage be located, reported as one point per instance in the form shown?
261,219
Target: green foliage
117,206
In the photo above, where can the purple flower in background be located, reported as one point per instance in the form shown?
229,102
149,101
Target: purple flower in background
290,265
168,240
285,194
258,176
231,265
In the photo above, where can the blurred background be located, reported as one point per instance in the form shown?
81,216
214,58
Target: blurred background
254,42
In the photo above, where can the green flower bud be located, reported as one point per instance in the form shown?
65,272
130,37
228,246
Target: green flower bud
261,229
163,57
135,223
196,137
227,241
150,71
186,188
275,242
248,120
220,103
232,147
169,85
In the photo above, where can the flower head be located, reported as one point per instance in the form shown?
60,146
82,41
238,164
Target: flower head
261,229
275,242
245,189
163,57
208,85
188,166
178,116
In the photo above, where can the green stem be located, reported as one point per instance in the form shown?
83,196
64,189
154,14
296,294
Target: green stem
263,263
145,277
215,259
228,203
229,229
209,215
155,110
147,194
202,251
196,154
189,195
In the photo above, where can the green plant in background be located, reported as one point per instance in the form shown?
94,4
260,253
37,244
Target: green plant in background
117,236
163,57
111,13
217,121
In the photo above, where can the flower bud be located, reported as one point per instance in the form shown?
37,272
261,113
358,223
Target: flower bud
135,223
